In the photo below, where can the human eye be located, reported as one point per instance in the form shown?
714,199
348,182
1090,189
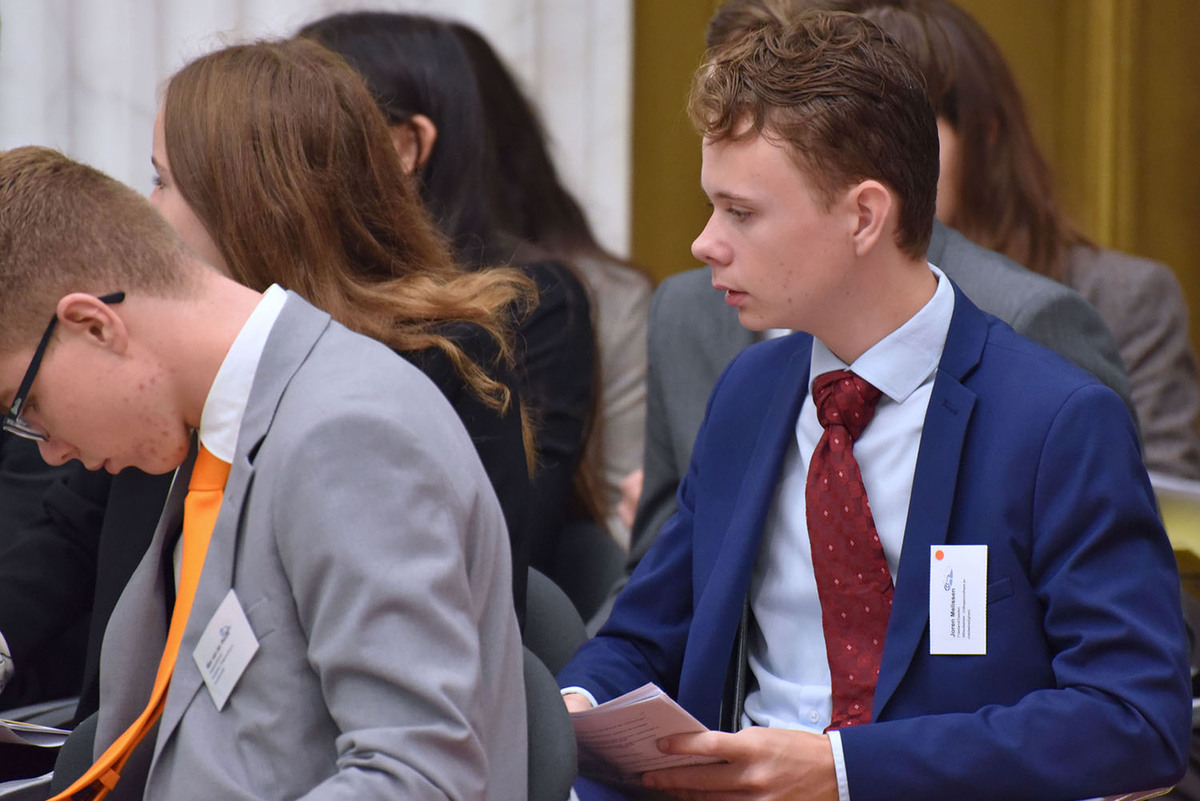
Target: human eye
156,181
738,213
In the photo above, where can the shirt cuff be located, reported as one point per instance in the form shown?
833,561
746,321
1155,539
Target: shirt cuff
839,764
580,691
6,664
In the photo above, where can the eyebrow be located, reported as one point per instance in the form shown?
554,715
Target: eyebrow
728,197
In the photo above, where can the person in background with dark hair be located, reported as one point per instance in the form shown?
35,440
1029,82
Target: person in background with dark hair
996,188
900,564
527,198
421,78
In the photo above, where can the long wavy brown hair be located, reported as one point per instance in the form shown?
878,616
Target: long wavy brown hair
281,152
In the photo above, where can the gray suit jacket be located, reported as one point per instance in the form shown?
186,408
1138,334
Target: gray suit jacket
369,553
694,334
1143,305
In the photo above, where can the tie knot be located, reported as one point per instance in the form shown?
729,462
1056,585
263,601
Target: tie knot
844,399
209,472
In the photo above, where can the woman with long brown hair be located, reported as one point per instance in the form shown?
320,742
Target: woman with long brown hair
274,164
422,81
996,188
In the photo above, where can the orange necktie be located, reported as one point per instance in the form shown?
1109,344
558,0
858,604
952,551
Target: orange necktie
200,509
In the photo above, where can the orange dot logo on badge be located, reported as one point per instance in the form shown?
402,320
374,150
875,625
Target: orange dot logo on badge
939,555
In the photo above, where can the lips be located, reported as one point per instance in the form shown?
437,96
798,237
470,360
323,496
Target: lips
732,296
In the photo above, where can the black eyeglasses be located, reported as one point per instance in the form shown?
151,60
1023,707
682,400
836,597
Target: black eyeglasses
13,422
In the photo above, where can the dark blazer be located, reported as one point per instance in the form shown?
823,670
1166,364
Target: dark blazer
559,381
48,655
496,435
1084,690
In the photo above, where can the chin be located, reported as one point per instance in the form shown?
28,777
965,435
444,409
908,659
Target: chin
165,461
754,322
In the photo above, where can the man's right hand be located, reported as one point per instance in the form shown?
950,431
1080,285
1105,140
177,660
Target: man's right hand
576,702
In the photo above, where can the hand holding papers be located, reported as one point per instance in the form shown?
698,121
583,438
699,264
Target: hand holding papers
618,740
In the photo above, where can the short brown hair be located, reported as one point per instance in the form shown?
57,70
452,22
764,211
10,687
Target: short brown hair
845,98
67,227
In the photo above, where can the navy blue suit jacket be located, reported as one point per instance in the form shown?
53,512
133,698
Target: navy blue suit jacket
1084,689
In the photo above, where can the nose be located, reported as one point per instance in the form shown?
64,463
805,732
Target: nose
708,248
54,452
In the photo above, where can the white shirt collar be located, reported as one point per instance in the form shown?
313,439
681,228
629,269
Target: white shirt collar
221,419
905,358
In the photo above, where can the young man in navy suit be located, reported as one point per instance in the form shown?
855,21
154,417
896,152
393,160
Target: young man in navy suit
899,566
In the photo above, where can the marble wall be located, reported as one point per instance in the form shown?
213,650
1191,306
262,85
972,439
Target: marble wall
83,76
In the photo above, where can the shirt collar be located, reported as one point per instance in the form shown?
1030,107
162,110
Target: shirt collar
905,358
221,419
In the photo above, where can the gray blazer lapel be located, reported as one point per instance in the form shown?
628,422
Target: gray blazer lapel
292,338
136,632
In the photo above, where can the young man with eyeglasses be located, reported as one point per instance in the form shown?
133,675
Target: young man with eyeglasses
358,563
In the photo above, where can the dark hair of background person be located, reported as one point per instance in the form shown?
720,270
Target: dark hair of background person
414,64
418,67
525,192
822,115
297,182
1006,199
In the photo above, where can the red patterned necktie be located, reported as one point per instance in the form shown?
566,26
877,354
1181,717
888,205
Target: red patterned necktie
853,581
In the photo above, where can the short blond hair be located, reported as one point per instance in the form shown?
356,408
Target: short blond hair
67,227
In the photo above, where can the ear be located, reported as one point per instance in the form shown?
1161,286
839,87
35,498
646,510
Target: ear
88,317
872,203
414,141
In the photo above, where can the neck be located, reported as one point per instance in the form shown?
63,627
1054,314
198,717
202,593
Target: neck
884,297
195,332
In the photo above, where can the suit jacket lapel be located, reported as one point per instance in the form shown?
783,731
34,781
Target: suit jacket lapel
932,501
720,607
292,338
137,630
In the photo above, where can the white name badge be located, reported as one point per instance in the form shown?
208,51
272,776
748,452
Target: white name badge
958,599
225,649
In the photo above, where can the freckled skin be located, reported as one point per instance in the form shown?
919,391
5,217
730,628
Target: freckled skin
770,239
